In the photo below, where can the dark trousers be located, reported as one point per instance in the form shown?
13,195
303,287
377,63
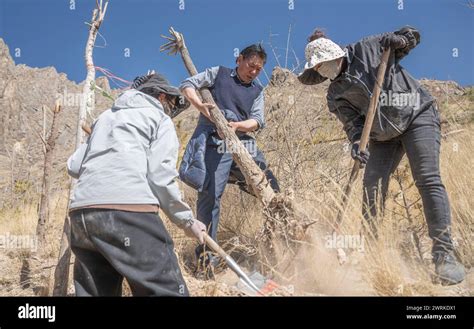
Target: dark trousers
110,245
421,144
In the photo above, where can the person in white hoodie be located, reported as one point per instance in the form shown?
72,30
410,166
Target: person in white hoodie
126,172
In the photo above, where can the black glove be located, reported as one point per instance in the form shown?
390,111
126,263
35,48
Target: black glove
356,154
394,41
411,35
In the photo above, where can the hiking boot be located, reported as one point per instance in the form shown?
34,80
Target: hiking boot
448,269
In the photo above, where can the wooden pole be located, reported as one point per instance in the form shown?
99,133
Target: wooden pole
61,274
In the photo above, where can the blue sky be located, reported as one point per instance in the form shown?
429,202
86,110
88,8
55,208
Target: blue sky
49,33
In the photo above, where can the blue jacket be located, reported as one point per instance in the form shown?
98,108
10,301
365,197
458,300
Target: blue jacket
192,169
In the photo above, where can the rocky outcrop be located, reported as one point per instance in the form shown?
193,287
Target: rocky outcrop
23,92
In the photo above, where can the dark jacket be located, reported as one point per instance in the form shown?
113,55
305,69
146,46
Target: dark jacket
348,97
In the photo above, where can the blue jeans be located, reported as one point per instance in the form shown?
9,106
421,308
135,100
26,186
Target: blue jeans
421,143
219,165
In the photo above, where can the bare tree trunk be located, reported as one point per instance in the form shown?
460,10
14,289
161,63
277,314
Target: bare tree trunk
11,156
44,127
33,264
48,160
61,275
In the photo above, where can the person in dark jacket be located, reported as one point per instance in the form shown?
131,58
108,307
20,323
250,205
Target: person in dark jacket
207,165
406,122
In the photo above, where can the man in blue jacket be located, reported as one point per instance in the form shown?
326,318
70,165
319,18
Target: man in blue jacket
206,164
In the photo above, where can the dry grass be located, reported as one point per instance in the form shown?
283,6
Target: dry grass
398,263
21,221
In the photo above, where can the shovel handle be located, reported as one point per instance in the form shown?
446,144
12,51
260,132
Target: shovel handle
214,246
231,263
364,140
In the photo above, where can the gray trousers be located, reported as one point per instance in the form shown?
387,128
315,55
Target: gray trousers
421,144
110,245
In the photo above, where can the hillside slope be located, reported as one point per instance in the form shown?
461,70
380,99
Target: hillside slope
307,150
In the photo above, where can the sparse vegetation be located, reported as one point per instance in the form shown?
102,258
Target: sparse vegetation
306,149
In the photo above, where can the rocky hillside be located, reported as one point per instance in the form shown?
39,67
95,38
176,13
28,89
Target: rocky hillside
305,147
23,92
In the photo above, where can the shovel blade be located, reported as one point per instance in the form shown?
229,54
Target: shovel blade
265,286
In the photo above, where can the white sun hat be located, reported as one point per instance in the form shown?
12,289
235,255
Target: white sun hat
321,50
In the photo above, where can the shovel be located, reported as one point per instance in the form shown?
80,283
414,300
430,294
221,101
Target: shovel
255,284
364,140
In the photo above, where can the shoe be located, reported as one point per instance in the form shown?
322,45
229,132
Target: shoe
448,269
207,266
